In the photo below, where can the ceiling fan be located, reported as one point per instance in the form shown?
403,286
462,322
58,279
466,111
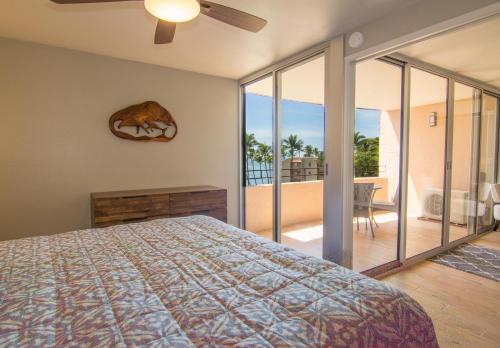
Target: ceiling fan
171,12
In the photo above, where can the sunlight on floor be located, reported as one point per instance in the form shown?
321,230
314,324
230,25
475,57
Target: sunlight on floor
391,217
368,251
306,234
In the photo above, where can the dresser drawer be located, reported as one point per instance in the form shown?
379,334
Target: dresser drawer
160,205
130,217
122,209
192,202
112,206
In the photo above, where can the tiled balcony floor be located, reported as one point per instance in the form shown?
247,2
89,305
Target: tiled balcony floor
370,252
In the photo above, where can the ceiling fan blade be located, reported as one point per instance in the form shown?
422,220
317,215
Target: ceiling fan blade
165,32
232,16
68,2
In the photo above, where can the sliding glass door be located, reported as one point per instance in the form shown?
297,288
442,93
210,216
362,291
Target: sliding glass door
425,152
426,162
465,130
258,156
425,156
377,156
283,187
487,161
302,123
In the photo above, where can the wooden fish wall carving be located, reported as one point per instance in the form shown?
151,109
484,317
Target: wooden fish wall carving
148,121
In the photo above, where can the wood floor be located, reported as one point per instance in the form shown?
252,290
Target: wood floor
465,308
368,251
421,236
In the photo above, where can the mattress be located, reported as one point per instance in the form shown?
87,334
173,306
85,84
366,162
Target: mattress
189,282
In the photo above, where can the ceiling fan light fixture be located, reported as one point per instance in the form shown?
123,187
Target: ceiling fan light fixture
173,10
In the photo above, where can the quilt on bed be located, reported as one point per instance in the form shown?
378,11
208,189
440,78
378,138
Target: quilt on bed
192,281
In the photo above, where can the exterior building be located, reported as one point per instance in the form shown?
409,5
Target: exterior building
300,169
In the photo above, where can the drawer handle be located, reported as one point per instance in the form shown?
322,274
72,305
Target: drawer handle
135,219
134,197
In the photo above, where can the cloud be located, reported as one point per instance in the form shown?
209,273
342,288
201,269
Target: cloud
303,133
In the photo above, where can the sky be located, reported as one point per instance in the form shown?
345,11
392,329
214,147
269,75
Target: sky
304,119
368,122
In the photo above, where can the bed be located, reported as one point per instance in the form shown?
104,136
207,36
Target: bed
188,282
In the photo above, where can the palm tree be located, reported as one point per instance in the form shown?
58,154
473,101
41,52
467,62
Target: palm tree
283,150
293,144
309,151
258,158
250,144
250,140
265,155
321,158
269,160
359,139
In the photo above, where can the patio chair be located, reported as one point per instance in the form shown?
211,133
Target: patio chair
390,206
363,199
495,194
480,209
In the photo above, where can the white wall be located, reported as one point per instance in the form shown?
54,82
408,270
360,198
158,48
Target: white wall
56,148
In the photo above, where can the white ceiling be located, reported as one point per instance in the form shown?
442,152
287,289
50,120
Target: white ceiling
378,86
472,51
125,30
303,83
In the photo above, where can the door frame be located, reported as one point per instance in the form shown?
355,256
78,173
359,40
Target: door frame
451,79
339,105
275,72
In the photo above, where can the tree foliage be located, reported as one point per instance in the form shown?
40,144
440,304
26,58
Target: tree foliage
366,156
261,154
366,153
293,145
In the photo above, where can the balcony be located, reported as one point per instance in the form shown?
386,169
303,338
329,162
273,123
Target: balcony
379,163
302,223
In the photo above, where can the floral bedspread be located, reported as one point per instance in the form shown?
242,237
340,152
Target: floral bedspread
192,281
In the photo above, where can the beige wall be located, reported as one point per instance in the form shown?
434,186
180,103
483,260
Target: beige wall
462,144
390,149
302,202
427,146
426,153
488,134
56,147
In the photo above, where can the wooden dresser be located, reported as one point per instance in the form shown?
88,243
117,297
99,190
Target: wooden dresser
120,207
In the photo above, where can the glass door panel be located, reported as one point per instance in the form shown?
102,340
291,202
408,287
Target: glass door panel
465,136
487,161
377,148
258,156
302,143
426,162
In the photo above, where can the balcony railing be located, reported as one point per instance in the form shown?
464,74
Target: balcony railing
262,176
